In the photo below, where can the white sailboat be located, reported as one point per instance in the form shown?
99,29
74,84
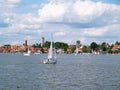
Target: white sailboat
76,51
28,53
51,59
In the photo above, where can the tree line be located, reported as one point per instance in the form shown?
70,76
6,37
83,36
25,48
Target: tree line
103,47
57,45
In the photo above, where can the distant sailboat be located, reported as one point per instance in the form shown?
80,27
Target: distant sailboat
51,59
76,51
28,53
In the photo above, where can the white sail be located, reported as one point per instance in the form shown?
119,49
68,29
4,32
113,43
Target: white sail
28,53
76,51
51,54
50,51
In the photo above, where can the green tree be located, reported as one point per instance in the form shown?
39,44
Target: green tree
47,44
42,50
7,45
103,46
94,46
73,49
117,43
61,45
109,51
36,45
78,43
86,49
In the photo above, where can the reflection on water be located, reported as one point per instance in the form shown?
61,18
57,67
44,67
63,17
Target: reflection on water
81,72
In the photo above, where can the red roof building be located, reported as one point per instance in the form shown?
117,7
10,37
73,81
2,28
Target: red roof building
116,47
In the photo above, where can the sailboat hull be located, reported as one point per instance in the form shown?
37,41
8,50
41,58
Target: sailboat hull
26,54
47,61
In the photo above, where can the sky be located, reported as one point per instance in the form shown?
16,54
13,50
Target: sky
69,20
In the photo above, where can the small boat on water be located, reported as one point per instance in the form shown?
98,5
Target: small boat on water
51,59
28,53
76,51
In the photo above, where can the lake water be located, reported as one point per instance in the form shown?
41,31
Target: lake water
81,72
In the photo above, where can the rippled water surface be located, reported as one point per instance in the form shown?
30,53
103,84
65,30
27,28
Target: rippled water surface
81,72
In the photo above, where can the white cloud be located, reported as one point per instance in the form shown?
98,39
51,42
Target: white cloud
0,33
13,1
87,10
16,43
28,38
60,33
69,21
95,31
52,11
33,6
8,4
76,11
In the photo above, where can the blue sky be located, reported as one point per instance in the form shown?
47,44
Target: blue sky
84,20
109,1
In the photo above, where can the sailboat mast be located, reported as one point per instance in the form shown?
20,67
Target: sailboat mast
51,45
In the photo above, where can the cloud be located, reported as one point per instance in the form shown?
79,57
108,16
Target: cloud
52,11
8,4
69,21
7,8
94,18
87,10
0,33
80,13
60,33
13,1
95,31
